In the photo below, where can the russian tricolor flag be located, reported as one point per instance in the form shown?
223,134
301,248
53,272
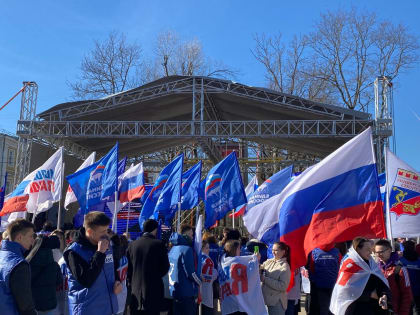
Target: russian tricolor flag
18,199
132,184
333,201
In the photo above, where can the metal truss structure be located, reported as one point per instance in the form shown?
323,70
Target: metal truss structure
384,118
188,129
27,113
199,116
200,88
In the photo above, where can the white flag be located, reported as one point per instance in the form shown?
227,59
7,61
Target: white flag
70,196
198,235
45,186
403,198
352,278
240,287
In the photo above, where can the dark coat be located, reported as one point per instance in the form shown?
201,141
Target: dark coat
147,264
45,274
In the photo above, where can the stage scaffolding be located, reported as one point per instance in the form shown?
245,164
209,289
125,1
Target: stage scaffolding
199,116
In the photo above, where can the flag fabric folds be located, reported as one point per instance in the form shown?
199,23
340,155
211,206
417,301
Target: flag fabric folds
189,191
165,193
17,200
70,196
110,173
190,186
403,198
132,184
87,183
240,286
263,203
45,186
352,278
249,190
224,190
335,200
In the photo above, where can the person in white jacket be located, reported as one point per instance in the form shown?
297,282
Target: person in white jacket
208,275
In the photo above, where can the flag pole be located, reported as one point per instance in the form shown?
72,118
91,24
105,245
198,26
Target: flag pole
60,210
178,218
388,217
233,218
128,217
197,213
114,217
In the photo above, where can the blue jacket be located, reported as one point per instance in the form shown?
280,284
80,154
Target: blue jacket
100,297
324,266
413,268
181,271
11,255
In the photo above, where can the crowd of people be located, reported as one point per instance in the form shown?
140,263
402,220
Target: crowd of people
94,271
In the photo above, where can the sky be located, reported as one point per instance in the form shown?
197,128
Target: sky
45,41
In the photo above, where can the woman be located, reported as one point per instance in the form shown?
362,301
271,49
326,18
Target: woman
361,287
275,278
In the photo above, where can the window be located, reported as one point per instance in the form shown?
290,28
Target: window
11,158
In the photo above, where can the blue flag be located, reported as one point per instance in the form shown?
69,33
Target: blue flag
87,183
189,191
201,189
147,190
190,185
110,174
224,189
120,170
3,192
165,192
261,203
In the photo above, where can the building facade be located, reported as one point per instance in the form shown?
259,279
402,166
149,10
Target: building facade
8,151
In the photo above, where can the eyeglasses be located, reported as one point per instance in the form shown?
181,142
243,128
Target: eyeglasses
381,252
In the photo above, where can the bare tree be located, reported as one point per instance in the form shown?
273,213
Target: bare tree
112,66
340,59
288,68
184,57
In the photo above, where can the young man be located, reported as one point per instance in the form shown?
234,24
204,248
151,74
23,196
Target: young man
90,267
15,274
147,264
397,277
183,282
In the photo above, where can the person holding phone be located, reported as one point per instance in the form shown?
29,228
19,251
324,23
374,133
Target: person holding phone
275,278
93,281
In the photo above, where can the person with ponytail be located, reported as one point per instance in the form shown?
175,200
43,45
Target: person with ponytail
275,278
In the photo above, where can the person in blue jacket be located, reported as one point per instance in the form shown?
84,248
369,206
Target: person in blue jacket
92,278
183,281
323,267
411,261
15,273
